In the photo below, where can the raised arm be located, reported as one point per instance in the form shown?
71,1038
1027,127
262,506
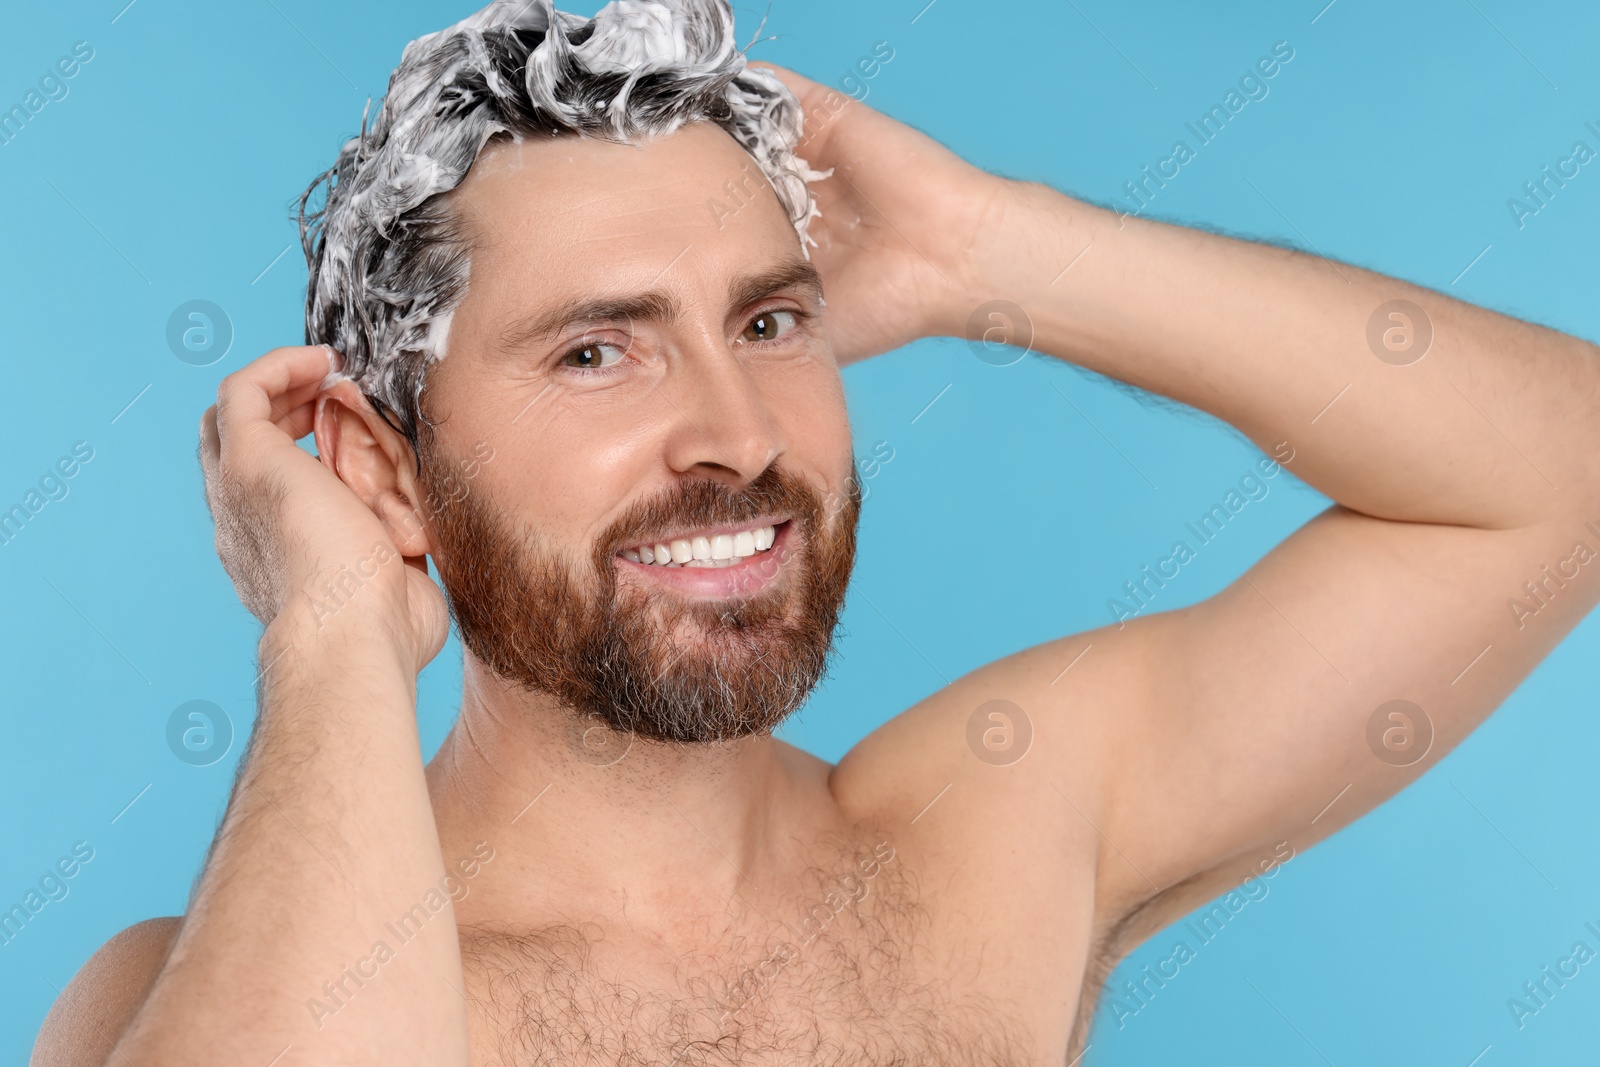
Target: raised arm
1458,444
289,948
1398,402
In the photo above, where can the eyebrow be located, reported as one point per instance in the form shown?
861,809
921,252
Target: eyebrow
656,305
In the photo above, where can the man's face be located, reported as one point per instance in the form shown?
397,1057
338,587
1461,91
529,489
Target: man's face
641,347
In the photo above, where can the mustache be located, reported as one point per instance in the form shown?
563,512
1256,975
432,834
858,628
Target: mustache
705,502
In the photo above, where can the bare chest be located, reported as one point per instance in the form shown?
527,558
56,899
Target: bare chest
855,969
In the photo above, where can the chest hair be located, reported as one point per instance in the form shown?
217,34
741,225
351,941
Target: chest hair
852,973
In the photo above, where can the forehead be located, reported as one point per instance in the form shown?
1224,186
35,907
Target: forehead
566,215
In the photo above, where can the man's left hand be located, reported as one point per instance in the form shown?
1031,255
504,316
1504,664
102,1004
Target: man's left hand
901,218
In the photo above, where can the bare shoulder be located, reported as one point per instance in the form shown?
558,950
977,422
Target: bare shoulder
1016,754
1053,700
103,997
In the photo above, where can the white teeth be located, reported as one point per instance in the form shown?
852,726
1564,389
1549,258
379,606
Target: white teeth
721,550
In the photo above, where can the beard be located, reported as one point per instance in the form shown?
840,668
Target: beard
639,658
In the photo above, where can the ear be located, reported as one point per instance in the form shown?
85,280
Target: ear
377,463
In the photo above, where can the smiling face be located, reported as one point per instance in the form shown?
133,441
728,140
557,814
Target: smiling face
664,529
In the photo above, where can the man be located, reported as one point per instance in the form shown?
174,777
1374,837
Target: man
622,440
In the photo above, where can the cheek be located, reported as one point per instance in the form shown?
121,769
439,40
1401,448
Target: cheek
569,473
816,420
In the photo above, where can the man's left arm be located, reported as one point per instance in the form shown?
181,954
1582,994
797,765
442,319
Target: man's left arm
1460,477
1189,747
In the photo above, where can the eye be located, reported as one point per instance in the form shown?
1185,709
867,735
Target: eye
769,326
592,356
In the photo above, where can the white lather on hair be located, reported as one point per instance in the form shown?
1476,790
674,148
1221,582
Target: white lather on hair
387,268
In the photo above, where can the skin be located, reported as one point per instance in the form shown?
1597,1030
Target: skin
1179,754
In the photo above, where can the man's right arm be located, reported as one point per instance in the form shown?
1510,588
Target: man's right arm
328,842
303,942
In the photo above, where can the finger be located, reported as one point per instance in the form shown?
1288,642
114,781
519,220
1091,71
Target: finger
210,450
819,103
299,420
798,84
287,409
210,443
256,392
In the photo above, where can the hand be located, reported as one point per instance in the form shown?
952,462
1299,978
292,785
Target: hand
901,218
286,522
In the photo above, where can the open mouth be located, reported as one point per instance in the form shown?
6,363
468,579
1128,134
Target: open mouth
709,549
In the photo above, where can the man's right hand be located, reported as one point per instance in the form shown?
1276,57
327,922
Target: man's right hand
285,521
330,832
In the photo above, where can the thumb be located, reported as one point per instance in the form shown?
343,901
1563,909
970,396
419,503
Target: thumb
801,86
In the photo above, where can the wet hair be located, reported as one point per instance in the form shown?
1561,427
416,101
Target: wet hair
387,254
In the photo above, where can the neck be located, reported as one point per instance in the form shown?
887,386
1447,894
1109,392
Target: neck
600,825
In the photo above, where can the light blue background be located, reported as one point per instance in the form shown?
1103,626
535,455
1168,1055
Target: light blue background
1392,140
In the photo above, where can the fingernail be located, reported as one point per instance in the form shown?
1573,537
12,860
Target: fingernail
335,360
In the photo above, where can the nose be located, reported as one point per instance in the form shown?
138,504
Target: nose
723,423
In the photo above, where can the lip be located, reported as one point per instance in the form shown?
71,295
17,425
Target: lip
745,578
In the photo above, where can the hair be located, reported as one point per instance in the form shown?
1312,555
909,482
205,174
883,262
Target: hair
387,254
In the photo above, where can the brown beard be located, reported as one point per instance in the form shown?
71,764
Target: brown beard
650,663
